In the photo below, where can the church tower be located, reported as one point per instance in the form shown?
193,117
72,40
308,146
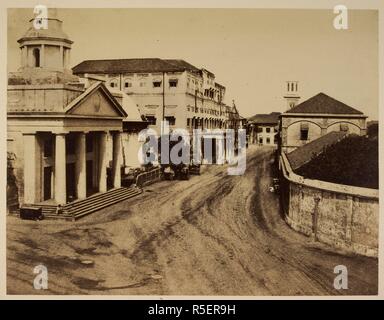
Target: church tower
47,48
292,95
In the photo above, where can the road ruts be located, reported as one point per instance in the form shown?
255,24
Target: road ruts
212,235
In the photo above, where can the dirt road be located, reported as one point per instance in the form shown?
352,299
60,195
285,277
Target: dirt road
212,235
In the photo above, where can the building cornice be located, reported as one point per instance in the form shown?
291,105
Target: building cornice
321,115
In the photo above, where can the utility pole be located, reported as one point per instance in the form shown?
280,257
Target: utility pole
163,115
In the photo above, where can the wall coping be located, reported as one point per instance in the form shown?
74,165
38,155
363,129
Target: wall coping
324,185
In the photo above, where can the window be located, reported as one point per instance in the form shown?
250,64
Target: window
127,84
173,83
142,84
259,129
268,130
261,140
151,120
113,83
303,134
304,131
171,120
188,122
156,84
268,141
36,57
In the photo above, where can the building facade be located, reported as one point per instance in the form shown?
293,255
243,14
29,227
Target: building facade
316,117
169,89
263,129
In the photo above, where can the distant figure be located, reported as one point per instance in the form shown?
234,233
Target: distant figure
59,209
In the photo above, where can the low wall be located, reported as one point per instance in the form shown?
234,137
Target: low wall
342,216
146,178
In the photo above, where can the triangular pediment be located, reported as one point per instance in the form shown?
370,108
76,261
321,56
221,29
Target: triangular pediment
96,101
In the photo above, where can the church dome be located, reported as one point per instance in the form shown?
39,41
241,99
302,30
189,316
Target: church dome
53,32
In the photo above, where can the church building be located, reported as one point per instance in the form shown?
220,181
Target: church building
58,128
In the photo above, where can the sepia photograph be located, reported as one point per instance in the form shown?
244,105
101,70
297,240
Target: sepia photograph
192,151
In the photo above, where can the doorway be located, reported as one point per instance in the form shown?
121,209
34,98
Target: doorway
89,173
47,182
70,182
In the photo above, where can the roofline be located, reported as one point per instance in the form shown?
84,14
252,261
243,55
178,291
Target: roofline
89,91
22,39
329,115
209,72
172,67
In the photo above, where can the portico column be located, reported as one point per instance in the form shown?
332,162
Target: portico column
60,169
29,141
102,162
81,186
116,170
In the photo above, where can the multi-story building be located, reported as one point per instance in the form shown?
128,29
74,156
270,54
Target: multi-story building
263,128
173,90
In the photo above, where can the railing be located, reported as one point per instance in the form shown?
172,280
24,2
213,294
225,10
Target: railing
149,177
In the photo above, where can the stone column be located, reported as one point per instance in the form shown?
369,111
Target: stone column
116,167
62,61
30,167
102,162
60,169
81,185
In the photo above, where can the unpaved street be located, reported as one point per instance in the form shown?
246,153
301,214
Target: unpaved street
212,235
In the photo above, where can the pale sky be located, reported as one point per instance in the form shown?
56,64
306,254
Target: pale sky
252,52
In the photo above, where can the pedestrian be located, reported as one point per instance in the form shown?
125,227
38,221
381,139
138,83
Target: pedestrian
59,209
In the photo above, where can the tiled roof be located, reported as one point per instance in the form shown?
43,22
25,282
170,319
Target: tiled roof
324,104
182,64
271,118
304,154
133,65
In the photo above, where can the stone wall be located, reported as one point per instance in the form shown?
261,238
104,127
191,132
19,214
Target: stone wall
345,217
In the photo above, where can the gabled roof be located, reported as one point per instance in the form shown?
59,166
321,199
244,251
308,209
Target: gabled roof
89,91
129,106
323,104
140,65
271,118
304,154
